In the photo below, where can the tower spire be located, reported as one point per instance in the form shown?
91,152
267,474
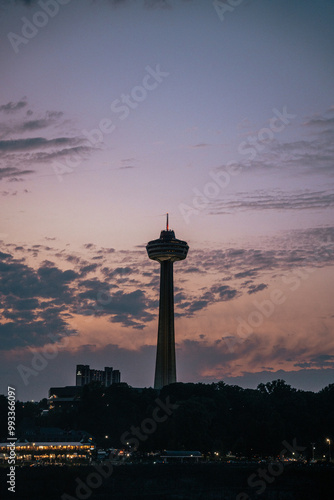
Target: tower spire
167,225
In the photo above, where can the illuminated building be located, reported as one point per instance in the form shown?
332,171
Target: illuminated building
49,452
64,397
107,377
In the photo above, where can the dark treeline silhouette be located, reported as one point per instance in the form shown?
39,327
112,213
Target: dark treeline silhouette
209,417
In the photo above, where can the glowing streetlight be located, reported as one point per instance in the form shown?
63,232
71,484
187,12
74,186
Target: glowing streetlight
313,448
329,449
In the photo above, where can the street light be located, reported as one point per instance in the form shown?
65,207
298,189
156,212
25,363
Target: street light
313,448
329,449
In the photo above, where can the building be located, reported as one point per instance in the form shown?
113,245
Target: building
46,452
69,396
107,377
64,397
49,445
166,250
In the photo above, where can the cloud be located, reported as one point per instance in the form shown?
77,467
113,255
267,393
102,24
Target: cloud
191,269
35,124
130,306
106,251
247,274
130,309
12,107
311,154
309,248
120,271
224,292
191,304
33,302
88,269
7,193
94,290
35,143
41,300
256,288
319,361
276,200
126,291
25,332
217,359
12,172
5,255
22,281
196,305
320,121
137,369
50,118
45,157
17,150
201,145
307,380
127,163
149,4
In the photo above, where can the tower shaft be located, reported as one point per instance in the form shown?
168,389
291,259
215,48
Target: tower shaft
166,250
165,368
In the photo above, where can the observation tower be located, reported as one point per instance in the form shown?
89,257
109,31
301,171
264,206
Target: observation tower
166,250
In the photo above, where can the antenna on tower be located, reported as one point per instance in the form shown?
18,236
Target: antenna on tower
167,225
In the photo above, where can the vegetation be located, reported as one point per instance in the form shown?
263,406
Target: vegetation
209,417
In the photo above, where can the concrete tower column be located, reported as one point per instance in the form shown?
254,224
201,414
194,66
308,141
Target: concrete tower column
166,250
165,368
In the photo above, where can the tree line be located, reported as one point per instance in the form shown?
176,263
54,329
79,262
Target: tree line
210,418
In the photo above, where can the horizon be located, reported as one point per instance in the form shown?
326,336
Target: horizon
185,383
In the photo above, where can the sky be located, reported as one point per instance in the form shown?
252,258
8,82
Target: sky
113,113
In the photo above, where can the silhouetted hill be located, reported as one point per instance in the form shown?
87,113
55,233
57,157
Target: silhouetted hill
208,417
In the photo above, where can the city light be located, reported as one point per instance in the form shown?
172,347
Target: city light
329,448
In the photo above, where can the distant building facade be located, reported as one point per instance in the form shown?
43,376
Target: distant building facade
64,397
107,377
69,396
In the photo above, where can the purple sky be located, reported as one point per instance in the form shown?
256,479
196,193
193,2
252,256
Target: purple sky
113,113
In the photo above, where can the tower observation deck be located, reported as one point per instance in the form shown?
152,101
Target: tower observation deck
166,250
